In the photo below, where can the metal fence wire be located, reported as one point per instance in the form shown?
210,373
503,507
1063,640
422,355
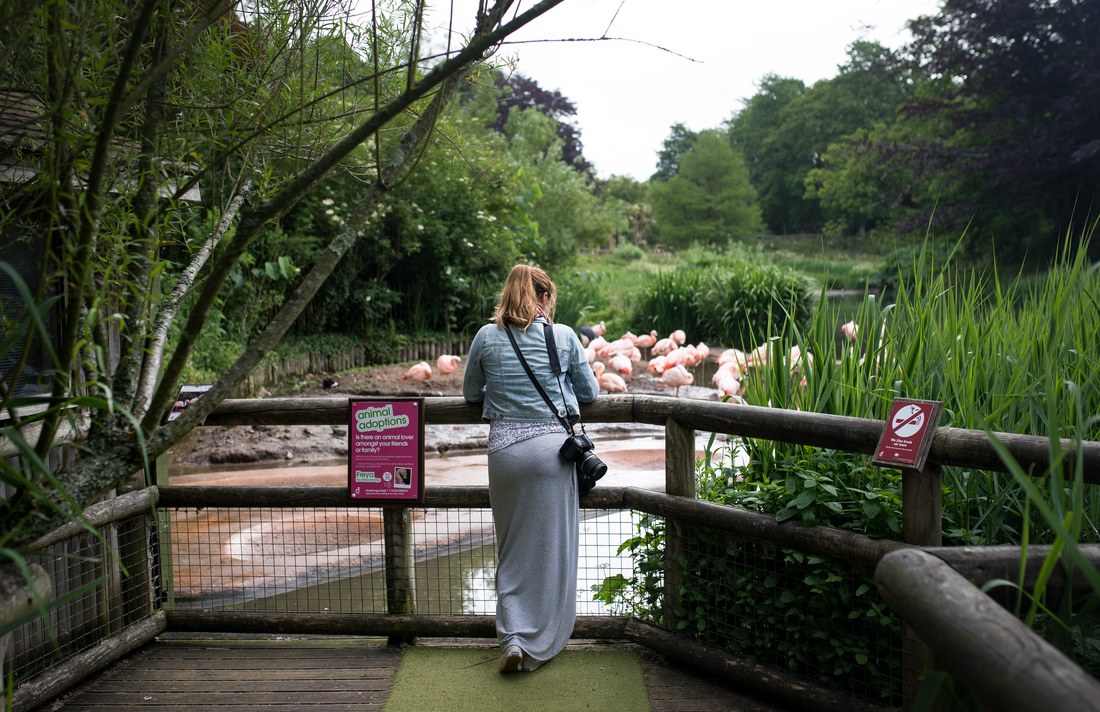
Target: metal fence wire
816,616
101,584
331,560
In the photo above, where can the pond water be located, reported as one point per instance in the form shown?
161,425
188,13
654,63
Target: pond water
456,563
463,581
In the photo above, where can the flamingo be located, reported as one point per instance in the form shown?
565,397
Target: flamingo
677,376
616,347
657,366
418,372
736,356
589,334
693,356
646,341
796,359
612,383
758,357
663,347
728,385
446,364
679,337
622,365
727,370
598,368
850,330
679,357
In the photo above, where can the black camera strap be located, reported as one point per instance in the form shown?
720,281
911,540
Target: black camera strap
555,365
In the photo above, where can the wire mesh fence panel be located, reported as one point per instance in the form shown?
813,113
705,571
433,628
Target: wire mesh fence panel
101,584
455,562
602,566
306,560
816,616
332,560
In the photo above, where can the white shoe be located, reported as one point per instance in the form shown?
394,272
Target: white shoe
511,659
530,664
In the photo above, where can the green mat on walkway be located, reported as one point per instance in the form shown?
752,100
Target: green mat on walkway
468,680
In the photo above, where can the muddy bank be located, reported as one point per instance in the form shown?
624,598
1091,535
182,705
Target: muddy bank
258,444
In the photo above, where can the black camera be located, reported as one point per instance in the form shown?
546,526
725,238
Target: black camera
578,449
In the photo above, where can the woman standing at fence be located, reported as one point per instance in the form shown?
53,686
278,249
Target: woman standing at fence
532,488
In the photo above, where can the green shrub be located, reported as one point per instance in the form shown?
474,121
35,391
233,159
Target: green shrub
579,299
628,253
214,352
735,303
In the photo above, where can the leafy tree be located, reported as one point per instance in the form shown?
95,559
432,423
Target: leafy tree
769,166
125,95
785,129
520,92
1013,114
628,199
710,199
559,201
680,140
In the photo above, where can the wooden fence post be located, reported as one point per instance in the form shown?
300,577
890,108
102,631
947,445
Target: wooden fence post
921,525
400,564
679,481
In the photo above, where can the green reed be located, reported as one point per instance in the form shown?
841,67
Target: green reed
1001,357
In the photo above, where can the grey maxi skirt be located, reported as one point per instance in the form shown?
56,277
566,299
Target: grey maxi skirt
533,492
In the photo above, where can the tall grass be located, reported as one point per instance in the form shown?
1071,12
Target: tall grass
831,262
999,356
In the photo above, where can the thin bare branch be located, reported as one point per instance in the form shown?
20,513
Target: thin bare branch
171,306
604,39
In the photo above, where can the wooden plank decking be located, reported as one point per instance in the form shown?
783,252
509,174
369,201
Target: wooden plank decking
322,675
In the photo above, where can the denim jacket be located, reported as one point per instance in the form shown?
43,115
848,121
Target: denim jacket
495,377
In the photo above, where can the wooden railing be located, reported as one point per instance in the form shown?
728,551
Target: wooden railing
681,418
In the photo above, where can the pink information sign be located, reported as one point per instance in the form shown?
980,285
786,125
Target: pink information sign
386,450
907,435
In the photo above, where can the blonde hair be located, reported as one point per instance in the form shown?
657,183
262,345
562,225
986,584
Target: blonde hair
521,295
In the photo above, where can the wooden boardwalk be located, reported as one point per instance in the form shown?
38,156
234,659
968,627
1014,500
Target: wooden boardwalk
241,674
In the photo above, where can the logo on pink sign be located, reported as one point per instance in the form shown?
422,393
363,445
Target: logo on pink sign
386,450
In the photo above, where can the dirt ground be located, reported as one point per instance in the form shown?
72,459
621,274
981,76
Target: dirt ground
216,445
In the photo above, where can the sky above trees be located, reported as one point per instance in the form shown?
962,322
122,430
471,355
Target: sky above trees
695,65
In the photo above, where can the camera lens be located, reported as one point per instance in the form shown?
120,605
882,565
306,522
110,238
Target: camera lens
592,466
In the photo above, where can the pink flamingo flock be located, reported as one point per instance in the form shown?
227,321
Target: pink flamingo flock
670,358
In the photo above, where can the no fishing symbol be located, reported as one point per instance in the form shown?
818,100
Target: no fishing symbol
907,435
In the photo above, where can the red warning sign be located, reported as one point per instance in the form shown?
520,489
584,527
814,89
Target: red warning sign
907,435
